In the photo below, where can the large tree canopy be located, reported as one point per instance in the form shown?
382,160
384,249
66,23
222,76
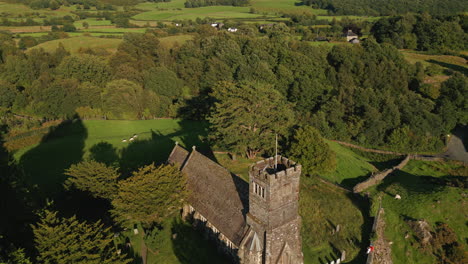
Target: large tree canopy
246,117
310,150
150,195
94,177
67,240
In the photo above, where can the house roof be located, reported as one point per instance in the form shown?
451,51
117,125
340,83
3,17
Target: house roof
351,33
219,195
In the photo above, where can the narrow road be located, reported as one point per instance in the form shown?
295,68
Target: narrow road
455,148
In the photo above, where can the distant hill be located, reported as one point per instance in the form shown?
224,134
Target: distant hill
389,7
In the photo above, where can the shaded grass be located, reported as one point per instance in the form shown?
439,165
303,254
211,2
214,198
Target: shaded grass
44,163
322,208
178,241
449,62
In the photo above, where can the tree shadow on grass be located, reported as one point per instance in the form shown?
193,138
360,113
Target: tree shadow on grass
451,66
191,247
158,147
351,182
363,204
17,204
104,152
44,165
410,182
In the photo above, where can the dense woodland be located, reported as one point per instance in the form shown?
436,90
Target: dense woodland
423,32
247,87
200,3
386,8
367,93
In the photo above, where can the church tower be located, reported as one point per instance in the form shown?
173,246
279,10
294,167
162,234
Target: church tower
273,218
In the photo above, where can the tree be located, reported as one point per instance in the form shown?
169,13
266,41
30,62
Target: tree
69,27
85,68
94,177
128,100
150,195
246,117
67,240
163,81
7,94
453,101
85,24
310,150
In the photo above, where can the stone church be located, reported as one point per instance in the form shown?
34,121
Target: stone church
255,222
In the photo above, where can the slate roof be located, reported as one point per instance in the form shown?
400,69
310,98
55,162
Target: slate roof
220,196
350,33
178,156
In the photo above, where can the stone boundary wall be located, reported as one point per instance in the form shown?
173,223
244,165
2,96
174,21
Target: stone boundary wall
368,149
370,257
377,178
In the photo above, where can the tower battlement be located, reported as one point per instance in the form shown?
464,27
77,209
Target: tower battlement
265,169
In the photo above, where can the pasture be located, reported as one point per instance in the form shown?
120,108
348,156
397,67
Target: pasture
13,10
174,10
74,44
448,62
428,191
70,143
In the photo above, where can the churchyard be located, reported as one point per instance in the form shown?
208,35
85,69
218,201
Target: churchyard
333,218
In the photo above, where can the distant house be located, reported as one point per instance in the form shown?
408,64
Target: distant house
217,25
232,29
350,36
262,27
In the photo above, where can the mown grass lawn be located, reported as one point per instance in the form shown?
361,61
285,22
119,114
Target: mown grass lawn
44,163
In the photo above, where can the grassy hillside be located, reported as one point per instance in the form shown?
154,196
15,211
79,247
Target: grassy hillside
73,44
351,168
323,207
175,10
45,162
428,193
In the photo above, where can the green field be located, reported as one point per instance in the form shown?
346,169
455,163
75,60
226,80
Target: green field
175,10
11,10
424,196
323,207
44,163
453,63
351,168
73,44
